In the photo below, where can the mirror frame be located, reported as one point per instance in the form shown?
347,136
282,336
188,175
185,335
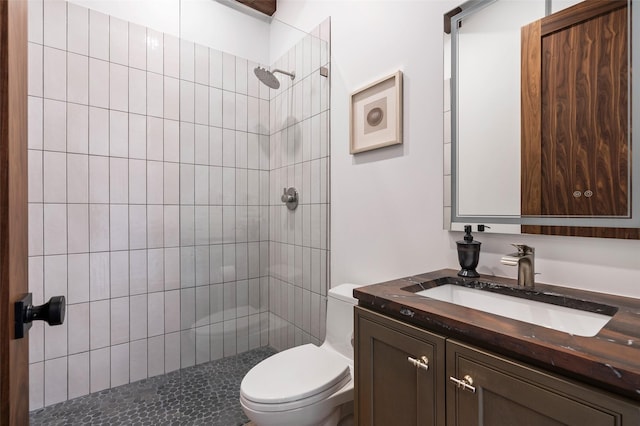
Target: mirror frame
631,221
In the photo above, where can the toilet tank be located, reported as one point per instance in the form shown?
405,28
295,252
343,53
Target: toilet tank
340,303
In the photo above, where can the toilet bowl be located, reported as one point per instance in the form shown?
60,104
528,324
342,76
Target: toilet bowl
307,385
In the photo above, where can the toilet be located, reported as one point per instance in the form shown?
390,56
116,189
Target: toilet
307,385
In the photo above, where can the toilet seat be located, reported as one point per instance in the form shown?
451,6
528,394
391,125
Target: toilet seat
294,378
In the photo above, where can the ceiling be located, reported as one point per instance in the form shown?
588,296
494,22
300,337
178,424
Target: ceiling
268,7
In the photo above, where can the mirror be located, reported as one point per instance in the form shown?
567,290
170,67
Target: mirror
491,137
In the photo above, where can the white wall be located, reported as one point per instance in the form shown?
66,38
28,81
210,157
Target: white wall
386,214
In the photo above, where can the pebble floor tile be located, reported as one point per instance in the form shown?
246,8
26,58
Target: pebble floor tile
206,394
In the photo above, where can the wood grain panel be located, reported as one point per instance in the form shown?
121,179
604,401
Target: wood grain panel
14,354
583,108
268,7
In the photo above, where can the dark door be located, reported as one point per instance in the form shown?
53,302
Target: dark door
14,353
575,126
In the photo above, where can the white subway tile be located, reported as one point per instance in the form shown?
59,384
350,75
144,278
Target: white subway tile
77,128
118,41
36,384
228,110
35,23
155,270
35,69
138,316
201,145
98,83
99,277
55,125
55,380
201,71
201,104
138,360
77,28
202,344
119,226
187,349
155,139
171,98
98,131
229,330
171,268
98,227
155,186
155,360
187,60
156,313
100,369
78,78
137,181
36,229
137,91
202,265
201,185
35,184
187,266
138,135
215,107
78,228
98,35
119,273
118,87
78,321
155,226
119,180
171,183
155,51
35,122
228,72
99,324
137,46
172,311
171,141
138,272
171,56
216,303
215,68
119,320
216,338
241,75
155,94
172,352
138,226
78,284
55,24
36,279
79,372
187,142
215,146
77,176
55,229
215,185
98,179
171,226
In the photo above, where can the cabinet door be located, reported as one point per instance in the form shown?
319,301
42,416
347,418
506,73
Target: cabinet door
389,388
508,393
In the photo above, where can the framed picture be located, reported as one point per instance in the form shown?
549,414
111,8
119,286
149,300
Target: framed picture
376,115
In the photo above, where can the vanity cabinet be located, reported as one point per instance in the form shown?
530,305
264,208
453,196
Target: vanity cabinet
465,385
395,385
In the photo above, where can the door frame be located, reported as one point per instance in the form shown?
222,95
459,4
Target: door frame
14,353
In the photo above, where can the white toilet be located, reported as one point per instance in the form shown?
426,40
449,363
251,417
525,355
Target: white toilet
306,385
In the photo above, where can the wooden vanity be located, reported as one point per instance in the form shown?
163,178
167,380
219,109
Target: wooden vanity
426,362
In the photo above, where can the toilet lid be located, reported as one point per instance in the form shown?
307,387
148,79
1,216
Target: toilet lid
295,374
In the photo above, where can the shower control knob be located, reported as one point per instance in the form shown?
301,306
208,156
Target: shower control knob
290,197
52,312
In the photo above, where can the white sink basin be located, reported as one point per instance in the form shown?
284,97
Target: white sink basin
569,320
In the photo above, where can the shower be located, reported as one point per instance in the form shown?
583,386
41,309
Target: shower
268,77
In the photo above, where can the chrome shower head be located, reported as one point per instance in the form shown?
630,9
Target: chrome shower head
268,77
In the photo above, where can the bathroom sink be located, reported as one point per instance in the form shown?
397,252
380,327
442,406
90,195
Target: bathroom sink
520,305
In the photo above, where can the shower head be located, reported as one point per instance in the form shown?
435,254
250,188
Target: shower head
268,77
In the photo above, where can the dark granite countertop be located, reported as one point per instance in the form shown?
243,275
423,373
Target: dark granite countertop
609,360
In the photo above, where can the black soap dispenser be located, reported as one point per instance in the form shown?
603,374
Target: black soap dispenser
468,254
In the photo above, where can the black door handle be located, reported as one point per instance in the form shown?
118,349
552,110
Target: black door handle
52,312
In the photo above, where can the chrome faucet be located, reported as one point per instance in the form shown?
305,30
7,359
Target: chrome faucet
524,260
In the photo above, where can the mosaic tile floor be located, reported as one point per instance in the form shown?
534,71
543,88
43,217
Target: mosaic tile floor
206,394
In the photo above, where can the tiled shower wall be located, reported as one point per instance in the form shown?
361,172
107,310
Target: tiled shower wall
148,201
299,245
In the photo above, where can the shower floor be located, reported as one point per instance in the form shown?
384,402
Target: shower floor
206,394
